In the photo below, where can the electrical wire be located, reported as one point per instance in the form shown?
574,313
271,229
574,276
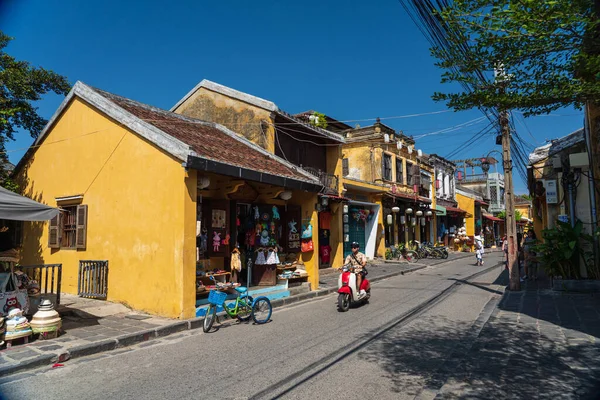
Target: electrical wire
344,121
452,128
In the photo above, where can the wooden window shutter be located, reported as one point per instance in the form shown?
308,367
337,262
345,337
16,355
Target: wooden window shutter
345,167
81,234
54,233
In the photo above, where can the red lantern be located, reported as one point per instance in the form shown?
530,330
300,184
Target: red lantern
459,175
438,184
415,188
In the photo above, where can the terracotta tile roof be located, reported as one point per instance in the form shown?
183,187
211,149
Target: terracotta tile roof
212,141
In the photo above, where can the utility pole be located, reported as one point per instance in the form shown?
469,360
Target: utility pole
509,199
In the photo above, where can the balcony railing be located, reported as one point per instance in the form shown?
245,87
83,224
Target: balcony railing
473,178
330,182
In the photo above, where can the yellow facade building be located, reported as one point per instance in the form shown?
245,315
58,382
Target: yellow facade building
139,187
384,171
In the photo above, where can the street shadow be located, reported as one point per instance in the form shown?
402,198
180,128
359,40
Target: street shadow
575,313
504,361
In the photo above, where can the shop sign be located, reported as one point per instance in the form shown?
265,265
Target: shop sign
551,191
563,218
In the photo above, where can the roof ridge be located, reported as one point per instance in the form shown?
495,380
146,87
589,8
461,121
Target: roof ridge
228,91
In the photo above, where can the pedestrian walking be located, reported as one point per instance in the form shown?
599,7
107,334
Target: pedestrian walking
520,256
479,249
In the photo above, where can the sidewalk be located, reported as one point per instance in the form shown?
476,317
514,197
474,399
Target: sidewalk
90,326
537,344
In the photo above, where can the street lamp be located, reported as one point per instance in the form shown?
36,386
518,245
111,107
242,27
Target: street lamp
485,165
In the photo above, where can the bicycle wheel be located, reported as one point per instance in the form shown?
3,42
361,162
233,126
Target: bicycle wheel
245,309
411,256
261,310
209,318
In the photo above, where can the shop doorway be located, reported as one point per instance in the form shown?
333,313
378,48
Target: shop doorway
356,233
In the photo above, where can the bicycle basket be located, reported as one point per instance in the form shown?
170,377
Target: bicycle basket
217,298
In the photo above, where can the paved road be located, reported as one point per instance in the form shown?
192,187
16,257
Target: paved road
308,351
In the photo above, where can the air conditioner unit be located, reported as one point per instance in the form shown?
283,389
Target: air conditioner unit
579,160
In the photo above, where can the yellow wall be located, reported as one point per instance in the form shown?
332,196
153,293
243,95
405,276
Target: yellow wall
307,202
141,211
467,204
360,160
525,210
254,123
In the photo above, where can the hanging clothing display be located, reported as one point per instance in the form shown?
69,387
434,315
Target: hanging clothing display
236,262
325,220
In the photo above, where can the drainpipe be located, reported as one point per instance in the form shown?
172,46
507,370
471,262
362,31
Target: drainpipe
591,182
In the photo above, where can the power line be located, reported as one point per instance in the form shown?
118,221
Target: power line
452,128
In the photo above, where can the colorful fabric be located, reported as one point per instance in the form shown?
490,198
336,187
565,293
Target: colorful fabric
325,220
325,252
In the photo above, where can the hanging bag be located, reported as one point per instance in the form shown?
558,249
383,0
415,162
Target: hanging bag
307,232
11,296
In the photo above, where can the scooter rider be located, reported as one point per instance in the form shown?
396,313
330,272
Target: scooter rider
358,262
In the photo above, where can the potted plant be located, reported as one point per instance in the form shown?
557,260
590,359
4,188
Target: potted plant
561,254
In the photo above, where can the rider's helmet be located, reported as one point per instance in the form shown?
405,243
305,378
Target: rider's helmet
355,245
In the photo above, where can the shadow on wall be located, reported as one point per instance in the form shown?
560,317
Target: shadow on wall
32,248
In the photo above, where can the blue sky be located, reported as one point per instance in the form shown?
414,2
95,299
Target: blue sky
349,59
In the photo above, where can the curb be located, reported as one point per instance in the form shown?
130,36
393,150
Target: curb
146,335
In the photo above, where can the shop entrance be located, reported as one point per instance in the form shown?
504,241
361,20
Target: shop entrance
356,233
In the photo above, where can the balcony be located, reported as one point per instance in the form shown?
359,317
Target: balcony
479,178
330,182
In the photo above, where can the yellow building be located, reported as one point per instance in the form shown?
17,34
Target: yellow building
475,207
291,137
383,171
148,190
524,207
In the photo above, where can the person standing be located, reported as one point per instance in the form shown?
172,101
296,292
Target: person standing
479,249
529,256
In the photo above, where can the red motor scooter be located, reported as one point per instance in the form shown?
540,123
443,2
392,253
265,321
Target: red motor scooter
347,293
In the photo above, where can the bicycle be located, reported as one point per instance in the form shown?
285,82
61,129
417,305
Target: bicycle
435,251
425,250
400,253
245,307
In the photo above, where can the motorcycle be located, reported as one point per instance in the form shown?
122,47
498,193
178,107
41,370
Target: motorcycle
347,293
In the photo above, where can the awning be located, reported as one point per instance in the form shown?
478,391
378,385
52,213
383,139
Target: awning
408,197
19,208
455,210
481,203
492,218
440,211
336,198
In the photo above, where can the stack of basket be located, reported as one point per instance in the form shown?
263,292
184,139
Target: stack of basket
17,325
